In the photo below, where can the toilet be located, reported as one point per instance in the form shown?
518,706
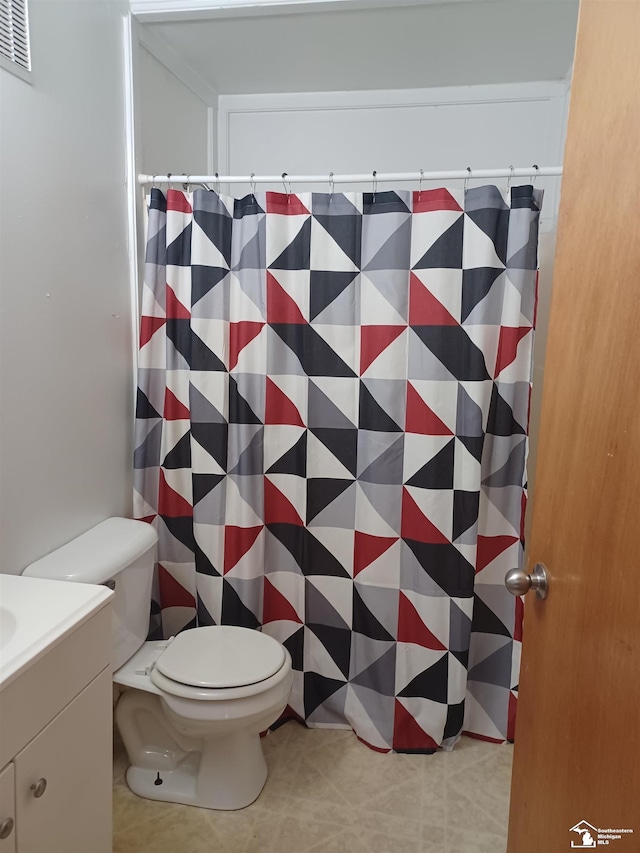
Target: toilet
193,706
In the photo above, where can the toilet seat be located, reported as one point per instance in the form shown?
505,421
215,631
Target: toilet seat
207,662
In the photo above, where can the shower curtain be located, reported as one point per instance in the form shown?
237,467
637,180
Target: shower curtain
331,442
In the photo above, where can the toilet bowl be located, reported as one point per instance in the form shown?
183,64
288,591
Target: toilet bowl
192,716
194,706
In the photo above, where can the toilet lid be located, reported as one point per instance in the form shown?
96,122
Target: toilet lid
221,656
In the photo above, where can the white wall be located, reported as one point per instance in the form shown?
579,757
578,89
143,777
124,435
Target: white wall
174,123
65,326
395,131
176,119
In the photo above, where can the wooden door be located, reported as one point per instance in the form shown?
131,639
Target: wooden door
577,750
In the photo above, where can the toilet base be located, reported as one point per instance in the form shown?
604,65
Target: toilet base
228,774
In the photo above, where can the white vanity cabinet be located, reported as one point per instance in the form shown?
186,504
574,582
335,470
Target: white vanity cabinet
56,742
56,789
63,794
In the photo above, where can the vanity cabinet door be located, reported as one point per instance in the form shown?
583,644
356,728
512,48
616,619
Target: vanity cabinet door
63,778
7,811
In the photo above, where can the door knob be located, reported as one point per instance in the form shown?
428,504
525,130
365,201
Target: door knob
518,582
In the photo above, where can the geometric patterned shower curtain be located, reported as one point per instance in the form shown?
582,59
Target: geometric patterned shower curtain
332,438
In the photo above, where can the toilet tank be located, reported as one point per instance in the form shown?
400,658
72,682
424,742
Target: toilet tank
119,553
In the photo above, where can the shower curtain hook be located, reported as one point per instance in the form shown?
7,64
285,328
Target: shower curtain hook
153,182
217,177
467,179
375,186
186,184
509,179
420,186
535,175
253,187
331,185
287,191
169,182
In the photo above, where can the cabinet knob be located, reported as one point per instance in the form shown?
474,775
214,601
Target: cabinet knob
39,788
6,828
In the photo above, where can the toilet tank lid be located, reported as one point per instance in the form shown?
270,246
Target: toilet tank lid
97,555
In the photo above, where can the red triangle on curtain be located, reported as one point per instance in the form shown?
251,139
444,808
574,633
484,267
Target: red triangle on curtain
237,541
174,410
241,334
289,714
280,306
279,409
523,498
420,418
148,327
415,525
277,508
489,547
368,548
174,308
425,309
375,339
517,628
439,199
508,346
411,628
177,201
276,607
172,593
286,204
511,717
407,734
170,503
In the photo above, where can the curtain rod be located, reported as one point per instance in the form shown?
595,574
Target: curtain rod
378,177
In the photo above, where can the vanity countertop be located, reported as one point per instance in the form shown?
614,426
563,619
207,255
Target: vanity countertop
36,614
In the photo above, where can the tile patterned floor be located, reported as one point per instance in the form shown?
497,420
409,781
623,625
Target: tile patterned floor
328,793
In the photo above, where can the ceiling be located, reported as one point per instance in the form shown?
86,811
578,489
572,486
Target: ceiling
419,46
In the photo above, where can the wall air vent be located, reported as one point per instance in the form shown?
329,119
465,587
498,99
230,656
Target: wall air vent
14,37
